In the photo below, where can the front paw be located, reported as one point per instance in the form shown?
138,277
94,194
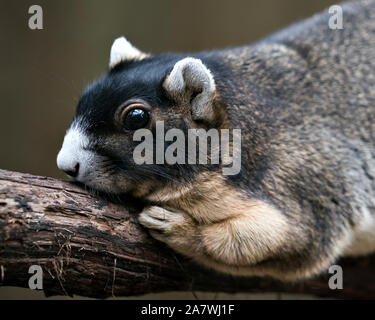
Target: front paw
161,220
176,229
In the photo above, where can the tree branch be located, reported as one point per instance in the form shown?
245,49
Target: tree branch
94,248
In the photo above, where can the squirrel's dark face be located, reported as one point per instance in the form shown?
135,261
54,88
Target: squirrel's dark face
138,92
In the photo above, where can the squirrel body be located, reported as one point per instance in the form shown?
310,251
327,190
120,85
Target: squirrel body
304,99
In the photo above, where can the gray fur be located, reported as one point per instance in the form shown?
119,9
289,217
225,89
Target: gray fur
190,76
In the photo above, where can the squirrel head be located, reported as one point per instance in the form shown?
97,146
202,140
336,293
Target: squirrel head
139,93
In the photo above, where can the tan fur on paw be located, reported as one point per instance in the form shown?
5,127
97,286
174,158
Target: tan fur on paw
176,229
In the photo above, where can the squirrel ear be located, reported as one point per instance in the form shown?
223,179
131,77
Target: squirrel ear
123,50
191,81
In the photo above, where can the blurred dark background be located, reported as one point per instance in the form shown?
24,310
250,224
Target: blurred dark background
44,71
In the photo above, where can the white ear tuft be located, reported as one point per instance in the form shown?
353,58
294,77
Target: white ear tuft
191,76
123,50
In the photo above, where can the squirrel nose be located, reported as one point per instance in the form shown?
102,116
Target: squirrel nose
68,163
73,172
73,158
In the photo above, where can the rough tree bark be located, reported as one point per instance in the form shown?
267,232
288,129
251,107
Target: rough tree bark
94,248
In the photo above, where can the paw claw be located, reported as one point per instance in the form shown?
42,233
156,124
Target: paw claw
176,229
159,219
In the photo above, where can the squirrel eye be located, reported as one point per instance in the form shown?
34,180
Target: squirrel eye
136,119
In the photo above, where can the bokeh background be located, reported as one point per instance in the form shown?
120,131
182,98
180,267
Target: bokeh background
42,72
